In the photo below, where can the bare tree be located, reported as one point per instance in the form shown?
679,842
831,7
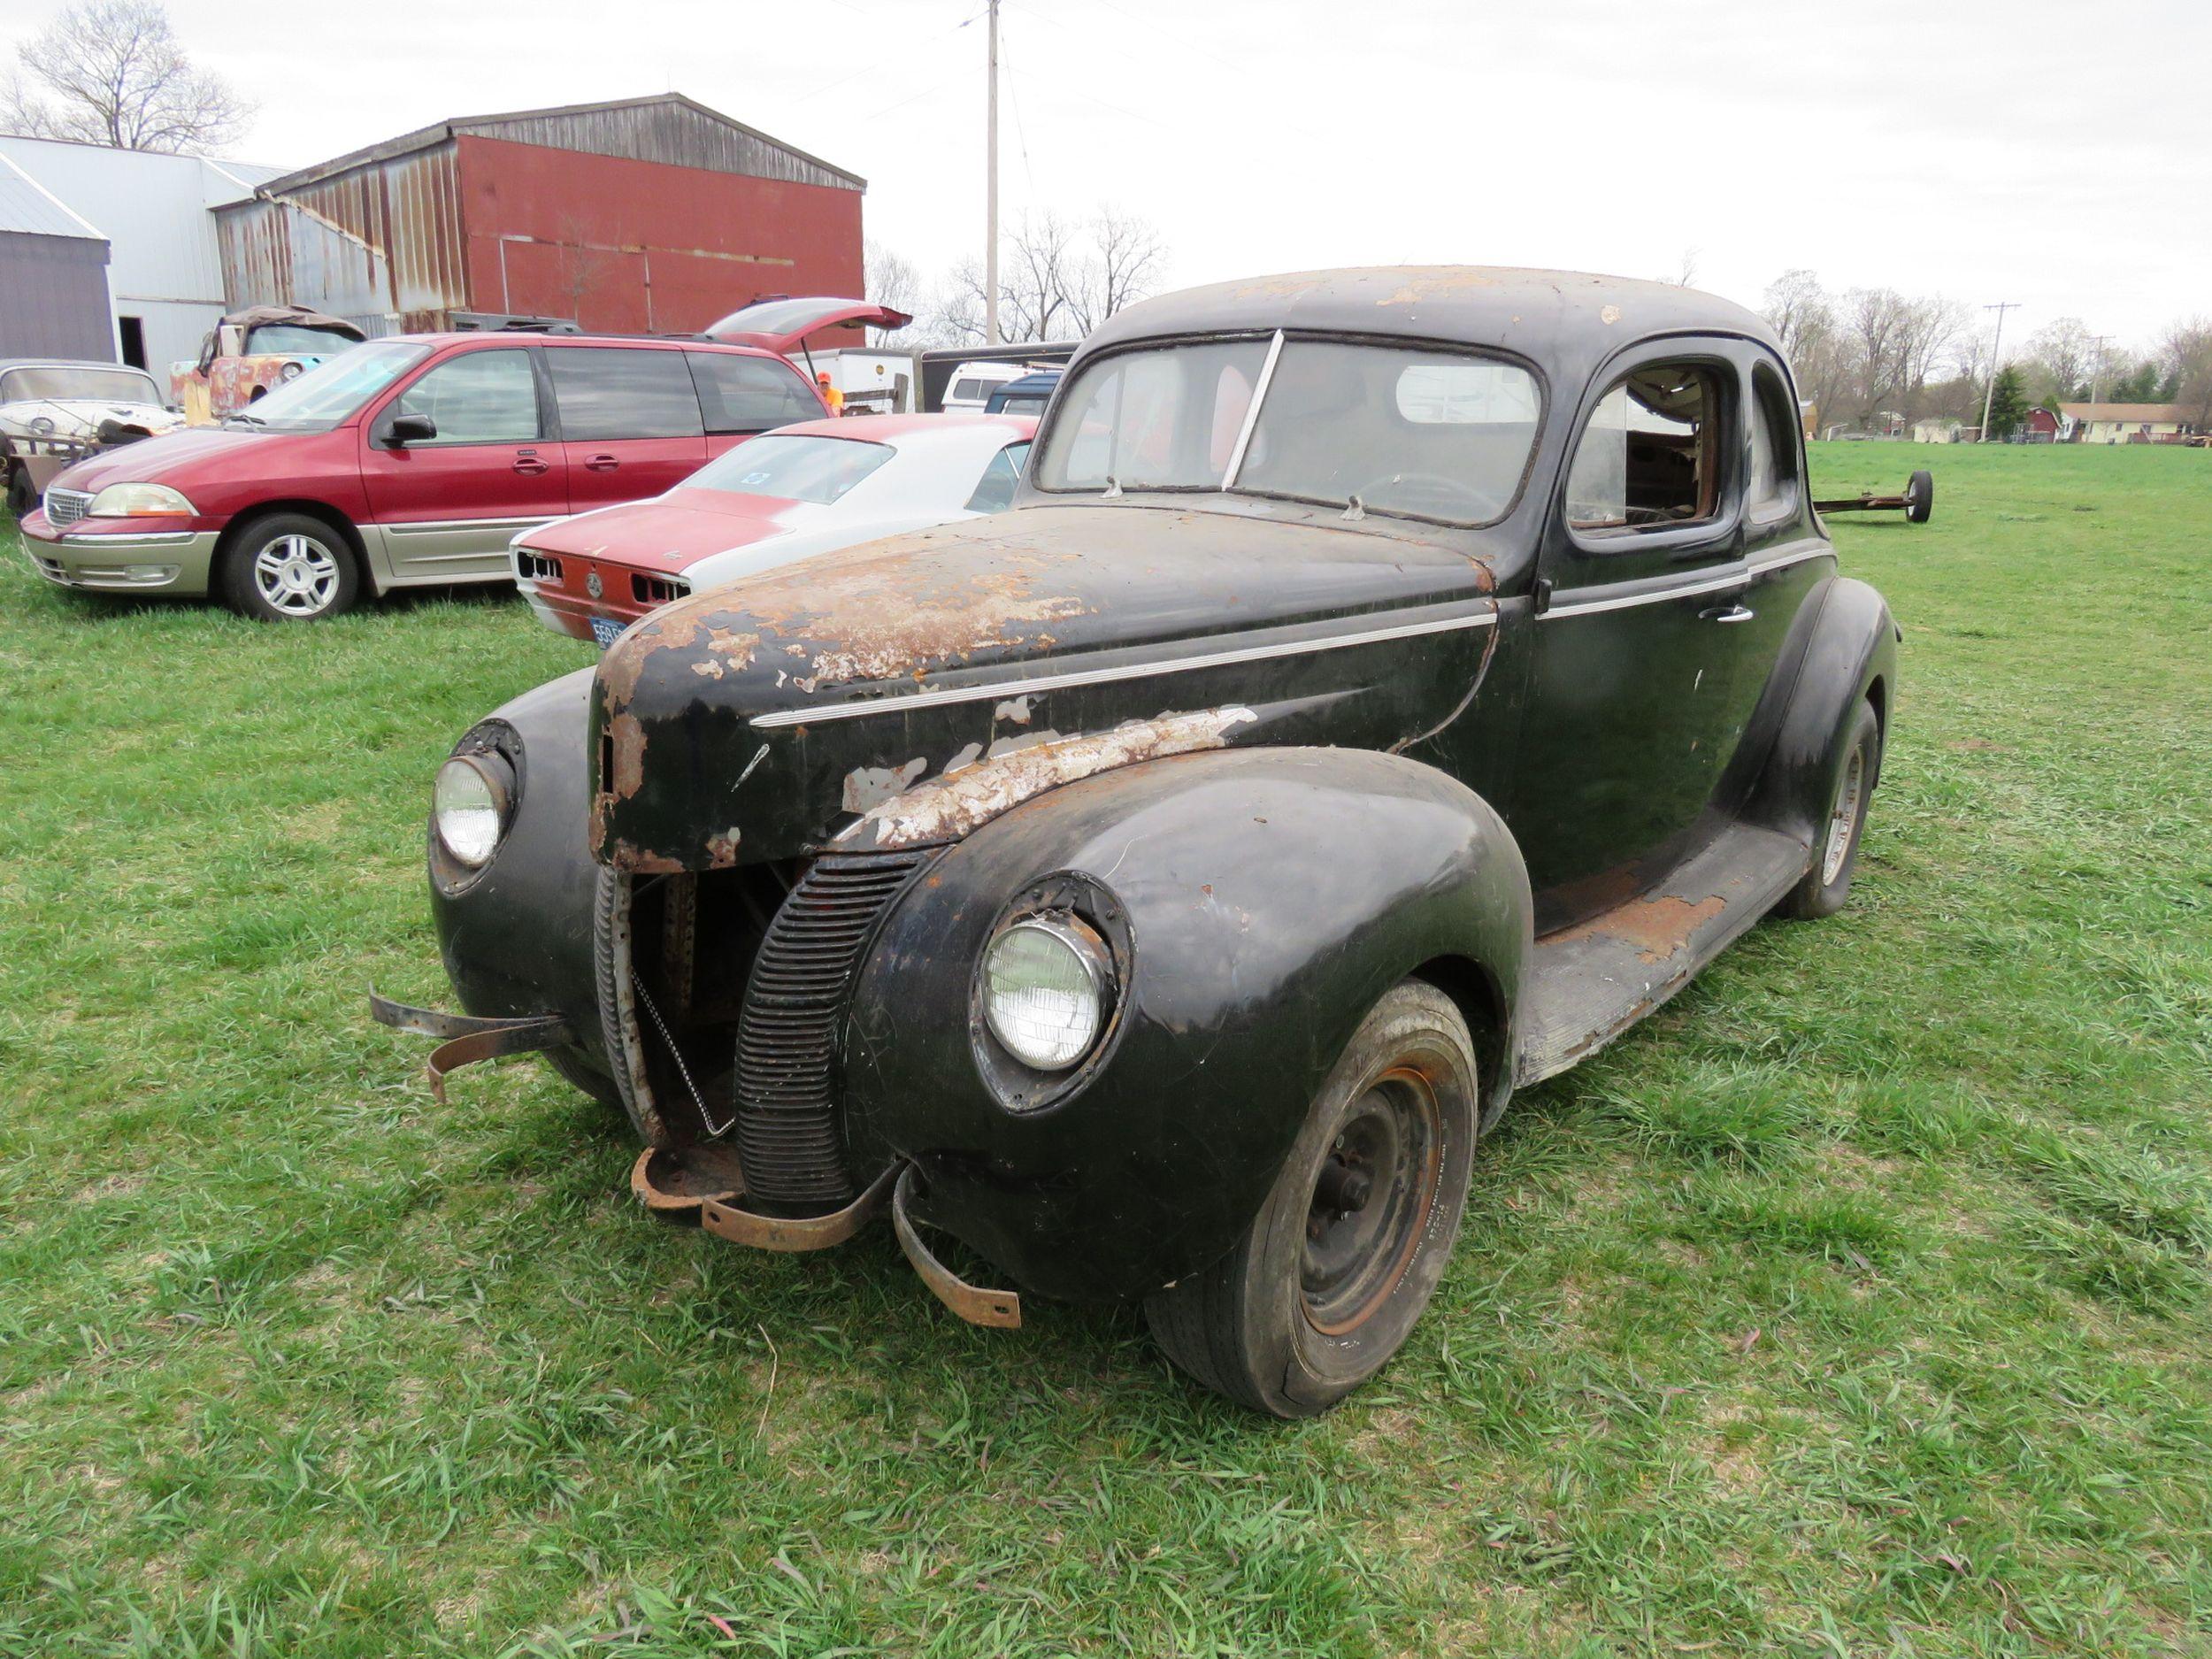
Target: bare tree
2188,350
582,266
1874,320
2061,355
1124,264
1797,307
1926,332
890,278
113,74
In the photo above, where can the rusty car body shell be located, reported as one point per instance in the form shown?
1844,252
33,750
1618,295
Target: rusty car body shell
1281,755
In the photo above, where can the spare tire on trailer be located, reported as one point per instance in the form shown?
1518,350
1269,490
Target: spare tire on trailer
1919,498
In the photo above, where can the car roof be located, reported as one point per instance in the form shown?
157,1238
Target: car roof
67,363
1563,320
527,336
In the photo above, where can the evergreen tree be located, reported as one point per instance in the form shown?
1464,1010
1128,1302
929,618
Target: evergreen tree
2007,405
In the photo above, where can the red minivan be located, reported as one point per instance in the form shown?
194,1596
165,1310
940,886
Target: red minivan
407,461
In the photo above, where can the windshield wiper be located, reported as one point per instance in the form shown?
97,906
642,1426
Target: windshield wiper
250,421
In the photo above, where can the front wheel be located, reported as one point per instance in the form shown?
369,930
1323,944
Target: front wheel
1346,1251
288,567
1826,886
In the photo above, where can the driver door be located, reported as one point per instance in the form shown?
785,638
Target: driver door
1631,718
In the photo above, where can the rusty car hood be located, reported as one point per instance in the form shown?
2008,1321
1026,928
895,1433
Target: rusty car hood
763,720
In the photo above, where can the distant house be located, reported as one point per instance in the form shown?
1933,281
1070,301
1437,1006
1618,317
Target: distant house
1944,429
2123,423
2040,426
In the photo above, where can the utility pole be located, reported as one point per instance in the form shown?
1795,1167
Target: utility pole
1996,349
2096,366
990,195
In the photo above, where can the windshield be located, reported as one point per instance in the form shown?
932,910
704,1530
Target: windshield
333,391
818,469
1403,430
108,386
289,339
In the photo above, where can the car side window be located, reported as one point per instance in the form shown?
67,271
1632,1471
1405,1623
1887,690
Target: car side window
750,394
608,393
1648,458
1770,488
995,492
478,397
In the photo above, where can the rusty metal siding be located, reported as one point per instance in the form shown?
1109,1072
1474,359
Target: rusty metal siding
381,245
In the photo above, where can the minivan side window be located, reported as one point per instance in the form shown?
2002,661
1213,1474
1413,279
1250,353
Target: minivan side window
1648,458
607,393
750,394
478,397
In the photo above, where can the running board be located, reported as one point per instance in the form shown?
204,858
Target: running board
1589,983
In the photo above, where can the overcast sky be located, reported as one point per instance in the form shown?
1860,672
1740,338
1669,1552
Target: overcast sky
2055,154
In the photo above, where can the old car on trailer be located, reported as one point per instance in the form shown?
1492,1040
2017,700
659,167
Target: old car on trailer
1389,688
55,412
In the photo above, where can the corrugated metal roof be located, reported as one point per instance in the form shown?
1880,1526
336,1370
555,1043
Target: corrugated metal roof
29,207
667,128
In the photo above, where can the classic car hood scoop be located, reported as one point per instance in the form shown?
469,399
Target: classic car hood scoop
801,698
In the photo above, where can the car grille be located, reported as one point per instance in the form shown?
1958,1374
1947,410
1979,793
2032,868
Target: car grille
789,1134
66,506
657,590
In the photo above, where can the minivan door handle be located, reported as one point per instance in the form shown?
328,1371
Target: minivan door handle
601,462
1732,611
530,466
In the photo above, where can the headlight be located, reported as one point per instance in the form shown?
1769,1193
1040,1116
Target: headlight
1046,982
469,805
291,371
134,501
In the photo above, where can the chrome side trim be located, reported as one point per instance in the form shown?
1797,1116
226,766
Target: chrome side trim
442,526
1783,561
998,688
1741,576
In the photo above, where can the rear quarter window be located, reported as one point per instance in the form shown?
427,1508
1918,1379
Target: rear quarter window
606,393
739,393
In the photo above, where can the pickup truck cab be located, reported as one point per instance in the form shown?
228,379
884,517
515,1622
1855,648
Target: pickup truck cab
407,461
1387,687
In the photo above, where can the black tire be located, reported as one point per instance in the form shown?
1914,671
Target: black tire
22,498
1315,1297
1919,498
290,567
1826,885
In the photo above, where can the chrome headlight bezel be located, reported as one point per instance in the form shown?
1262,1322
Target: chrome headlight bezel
1081,915
489,754
139,501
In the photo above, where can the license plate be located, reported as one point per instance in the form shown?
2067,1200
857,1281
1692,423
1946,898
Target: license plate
605,630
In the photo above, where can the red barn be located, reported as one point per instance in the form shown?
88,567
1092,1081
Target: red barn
644,215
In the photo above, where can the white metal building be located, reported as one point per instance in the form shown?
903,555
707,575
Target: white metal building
164,276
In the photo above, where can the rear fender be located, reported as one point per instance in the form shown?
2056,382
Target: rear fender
1850,658
1260,901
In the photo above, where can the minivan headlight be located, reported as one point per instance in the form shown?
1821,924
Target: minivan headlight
1046,988
136,501
471,805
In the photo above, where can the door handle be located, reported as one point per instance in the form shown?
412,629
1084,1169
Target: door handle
1732,611
601,462
530,467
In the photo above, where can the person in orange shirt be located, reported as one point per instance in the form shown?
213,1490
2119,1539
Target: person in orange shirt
830,395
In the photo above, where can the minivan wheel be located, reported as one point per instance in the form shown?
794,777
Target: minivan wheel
288,567
1345,1253
22,495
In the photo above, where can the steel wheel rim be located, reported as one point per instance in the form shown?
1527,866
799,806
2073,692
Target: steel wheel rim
1843,817
1355,1256
295,574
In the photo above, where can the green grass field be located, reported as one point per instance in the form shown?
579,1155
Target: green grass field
1856,1304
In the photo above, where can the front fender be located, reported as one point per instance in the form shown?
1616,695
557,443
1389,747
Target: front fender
518,941
1269,896
1850,656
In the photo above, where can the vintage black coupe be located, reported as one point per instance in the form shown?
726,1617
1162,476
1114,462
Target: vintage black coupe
1389,687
